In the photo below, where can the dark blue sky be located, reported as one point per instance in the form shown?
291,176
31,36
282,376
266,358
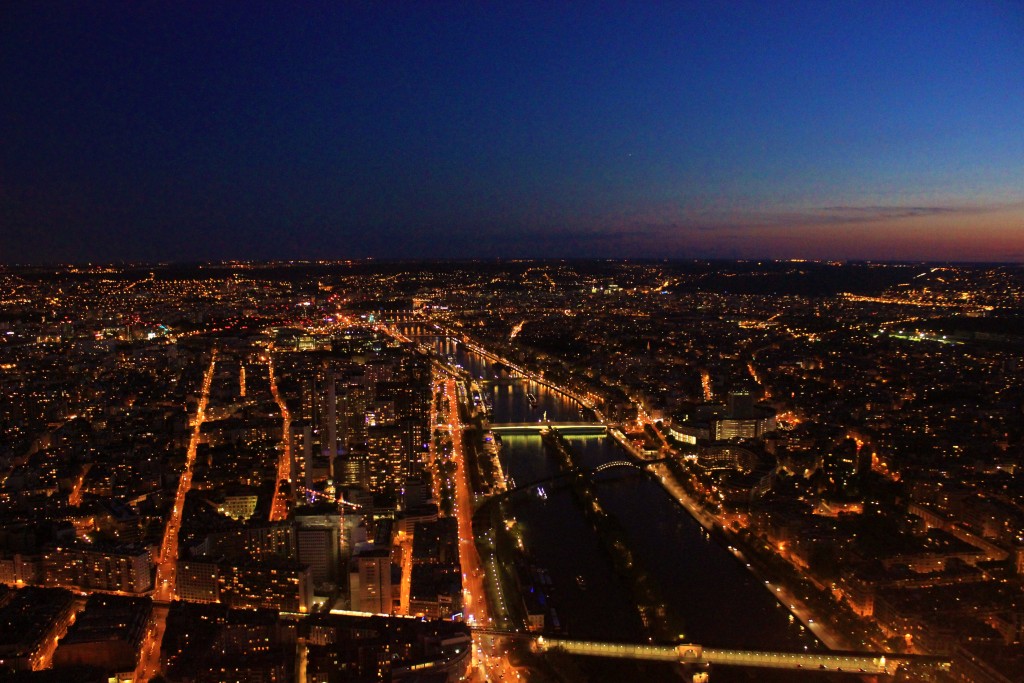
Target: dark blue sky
210,130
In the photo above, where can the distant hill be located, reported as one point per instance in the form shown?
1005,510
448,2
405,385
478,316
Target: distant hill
803,279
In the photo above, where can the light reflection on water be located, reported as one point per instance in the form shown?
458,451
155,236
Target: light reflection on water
718,600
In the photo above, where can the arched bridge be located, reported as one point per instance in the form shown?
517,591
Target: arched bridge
860,663
625,463
565,474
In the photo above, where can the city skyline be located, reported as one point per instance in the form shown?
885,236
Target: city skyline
352,470
814,130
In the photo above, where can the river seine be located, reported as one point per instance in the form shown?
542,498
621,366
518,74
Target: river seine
714,598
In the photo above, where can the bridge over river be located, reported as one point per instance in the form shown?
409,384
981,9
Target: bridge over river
485,504
833,662
538,427
859,663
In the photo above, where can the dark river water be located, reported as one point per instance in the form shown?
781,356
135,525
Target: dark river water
714,597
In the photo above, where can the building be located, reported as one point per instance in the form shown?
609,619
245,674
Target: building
212,643
126,569
740,418
370,581
354,469
280,584
239,505
319,543
689,432
436,542
31,623
19,569
255,541
197,580
346,647
414,516
750,423
275,583
389,453
727,456
435,591
109,633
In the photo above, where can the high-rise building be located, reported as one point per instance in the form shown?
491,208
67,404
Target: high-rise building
370,581
320,544
332,426
389,453
741,404
307,456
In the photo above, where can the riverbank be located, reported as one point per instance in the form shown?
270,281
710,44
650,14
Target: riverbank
719,601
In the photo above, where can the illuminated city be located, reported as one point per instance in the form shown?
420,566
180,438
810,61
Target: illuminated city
539,470
538,342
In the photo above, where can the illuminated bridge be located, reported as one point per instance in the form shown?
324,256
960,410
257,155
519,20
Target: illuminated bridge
833,662
625,463
537,427
700,656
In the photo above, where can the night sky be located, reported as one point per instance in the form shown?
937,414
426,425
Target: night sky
212,130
